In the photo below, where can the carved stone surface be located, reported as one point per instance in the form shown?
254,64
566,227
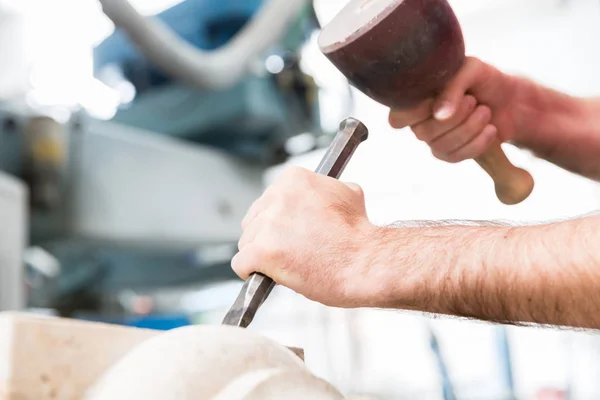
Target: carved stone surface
210,362
47,358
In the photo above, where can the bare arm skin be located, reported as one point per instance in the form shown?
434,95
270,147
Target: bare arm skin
561,129
311,233
546,274
482,103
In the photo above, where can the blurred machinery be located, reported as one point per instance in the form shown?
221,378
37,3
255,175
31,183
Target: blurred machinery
154,197
249,114
13,215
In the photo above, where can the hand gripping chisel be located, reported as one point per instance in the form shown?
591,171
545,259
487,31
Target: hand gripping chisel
258,287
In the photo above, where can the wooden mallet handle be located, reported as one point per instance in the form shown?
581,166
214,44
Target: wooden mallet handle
513,184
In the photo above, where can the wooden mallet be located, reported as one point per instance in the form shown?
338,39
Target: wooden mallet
401,52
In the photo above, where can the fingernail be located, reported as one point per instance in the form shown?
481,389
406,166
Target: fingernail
444,111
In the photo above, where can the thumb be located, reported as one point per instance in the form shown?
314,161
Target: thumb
448,102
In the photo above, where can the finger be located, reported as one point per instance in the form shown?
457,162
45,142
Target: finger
432,129
399,119
245,263
254,259
355,188
476,147
251,232
448,101
458,137
256,208
251,214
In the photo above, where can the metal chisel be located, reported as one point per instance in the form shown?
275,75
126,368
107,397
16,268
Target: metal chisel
258,287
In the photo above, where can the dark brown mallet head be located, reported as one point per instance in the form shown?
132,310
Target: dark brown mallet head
401,52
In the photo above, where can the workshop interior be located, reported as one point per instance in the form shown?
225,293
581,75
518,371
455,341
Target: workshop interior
130,151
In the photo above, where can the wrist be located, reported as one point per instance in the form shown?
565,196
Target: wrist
543,113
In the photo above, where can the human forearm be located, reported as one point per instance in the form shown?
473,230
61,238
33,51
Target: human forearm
562,129
548,274
324,247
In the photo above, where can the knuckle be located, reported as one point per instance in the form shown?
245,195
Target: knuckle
470,102
465,110
430,130
475,148
439,155
454,158
259,251
279,192
235,262
485,113
451,141
240,263
421,132
479,118
271,216
268,253
356,189
467,152
297,176
291,174
447,157
244,222
297,171
438,149
276,197
270,195
359,191
473,63
397,119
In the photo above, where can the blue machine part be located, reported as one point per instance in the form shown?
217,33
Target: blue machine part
252,119
205,24
159,322
447,386
505,359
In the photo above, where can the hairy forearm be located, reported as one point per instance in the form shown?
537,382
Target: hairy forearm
562,129
545,274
